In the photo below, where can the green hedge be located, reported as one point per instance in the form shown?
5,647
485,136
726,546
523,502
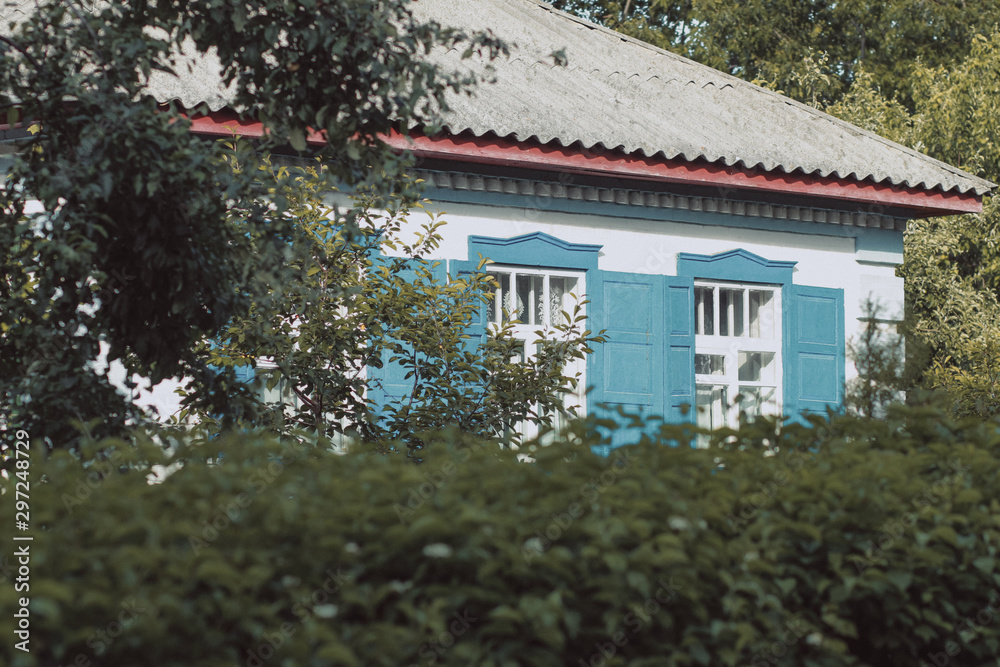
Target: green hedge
849,542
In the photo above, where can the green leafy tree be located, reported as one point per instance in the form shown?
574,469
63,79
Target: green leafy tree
955,312
668,25
353,309
952,264
149,241
781,40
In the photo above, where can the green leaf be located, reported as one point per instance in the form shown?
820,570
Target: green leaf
786,585
902,580
297,139
985,563
946,534
840,625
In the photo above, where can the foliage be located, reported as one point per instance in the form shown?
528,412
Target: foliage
136,249
846,542
364,297
952,265
668,25
974,379
955,109
955,311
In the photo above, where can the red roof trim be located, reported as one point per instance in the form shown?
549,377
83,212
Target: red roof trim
538,156
534,155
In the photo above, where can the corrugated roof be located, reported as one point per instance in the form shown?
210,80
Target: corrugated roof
620,93
198,79
14,11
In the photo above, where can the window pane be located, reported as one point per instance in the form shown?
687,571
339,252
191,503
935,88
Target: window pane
561,290
704,309
756,401
494,298
731,312
711,403
761,314
749,401
529,292
272,395
518,357
506,299
756,367
709,364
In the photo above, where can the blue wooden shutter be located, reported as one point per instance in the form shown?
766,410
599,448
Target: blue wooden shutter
680,353
476,329
392,375
245,373
628,368
814,348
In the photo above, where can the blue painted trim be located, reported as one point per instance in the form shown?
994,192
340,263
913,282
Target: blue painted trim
537,249
738,265
476,329
608,210
879,246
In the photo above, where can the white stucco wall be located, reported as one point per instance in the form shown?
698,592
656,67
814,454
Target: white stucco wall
161,398
861,261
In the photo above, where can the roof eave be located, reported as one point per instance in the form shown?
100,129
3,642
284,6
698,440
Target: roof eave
871,196
865,195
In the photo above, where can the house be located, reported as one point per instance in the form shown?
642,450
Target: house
726,237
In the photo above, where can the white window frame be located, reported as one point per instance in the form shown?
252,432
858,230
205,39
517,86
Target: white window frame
730,346
532,334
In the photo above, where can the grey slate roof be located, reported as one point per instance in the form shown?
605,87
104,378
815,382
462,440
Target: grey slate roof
620,93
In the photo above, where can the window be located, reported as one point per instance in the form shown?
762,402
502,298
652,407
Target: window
737,351
530,297
534,301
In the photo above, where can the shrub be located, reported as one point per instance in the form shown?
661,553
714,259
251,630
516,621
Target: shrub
844,542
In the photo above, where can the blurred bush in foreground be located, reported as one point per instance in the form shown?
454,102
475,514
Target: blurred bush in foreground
844,542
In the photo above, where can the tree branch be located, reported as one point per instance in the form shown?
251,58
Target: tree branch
21,50
302,397
83,20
